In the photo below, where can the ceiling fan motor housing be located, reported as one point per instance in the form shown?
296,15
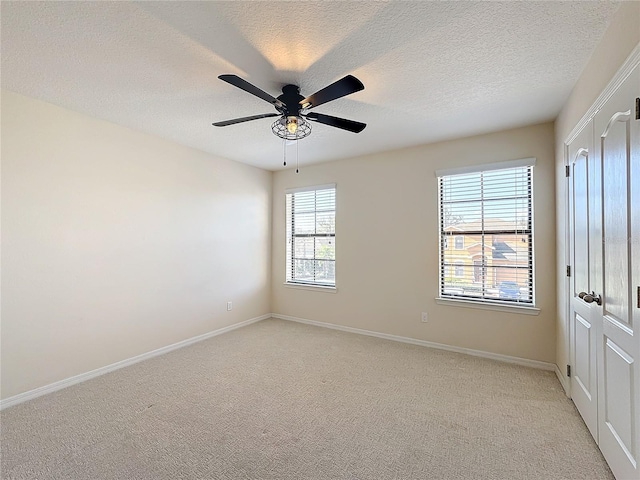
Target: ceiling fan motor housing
291,98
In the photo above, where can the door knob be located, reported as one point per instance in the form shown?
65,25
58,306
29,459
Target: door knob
591,297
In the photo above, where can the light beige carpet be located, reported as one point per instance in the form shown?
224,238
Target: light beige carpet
279,400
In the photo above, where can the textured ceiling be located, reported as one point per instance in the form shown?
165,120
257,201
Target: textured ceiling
431,70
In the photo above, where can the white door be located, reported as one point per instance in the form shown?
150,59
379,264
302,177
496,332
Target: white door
617,151
583,315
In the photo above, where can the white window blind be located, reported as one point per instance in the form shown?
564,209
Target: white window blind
311,236
489,214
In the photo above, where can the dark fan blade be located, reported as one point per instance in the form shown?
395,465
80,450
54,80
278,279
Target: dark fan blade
244,119
236,81
344,86
343,123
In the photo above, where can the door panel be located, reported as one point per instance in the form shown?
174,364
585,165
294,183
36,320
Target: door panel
580,212
618,366
618,346
615,175
585,351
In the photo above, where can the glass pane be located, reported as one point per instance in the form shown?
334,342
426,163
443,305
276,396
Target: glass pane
495,249
458,280
326,248
497,267
304,223
510,214
510,250
465,215
304,202
304,247
315,271
326,200
461,187
506,183
326,222
325,271
304,270
511,284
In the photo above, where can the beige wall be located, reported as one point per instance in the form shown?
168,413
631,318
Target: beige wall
619,40
387,246
115,243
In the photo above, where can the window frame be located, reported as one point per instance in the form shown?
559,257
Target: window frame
526,305
290,236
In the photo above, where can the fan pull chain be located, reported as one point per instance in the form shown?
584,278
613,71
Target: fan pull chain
284,151
297,158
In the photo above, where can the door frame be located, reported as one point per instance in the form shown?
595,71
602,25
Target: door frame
565,380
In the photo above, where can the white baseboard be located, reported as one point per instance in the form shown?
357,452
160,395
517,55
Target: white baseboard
67,382
564,381
441,346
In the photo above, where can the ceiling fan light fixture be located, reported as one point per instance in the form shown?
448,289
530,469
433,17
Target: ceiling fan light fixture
291,127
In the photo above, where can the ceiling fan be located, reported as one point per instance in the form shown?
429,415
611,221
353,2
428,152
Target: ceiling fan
293,108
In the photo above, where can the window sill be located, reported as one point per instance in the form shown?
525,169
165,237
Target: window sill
317,288
522,310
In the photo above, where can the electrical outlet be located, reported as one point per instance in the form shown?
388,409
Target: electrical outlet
424,317
229,306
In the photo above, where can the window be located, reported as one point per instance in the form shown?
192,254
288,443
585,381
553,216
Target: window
459,269
488,211
479,270
311,236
